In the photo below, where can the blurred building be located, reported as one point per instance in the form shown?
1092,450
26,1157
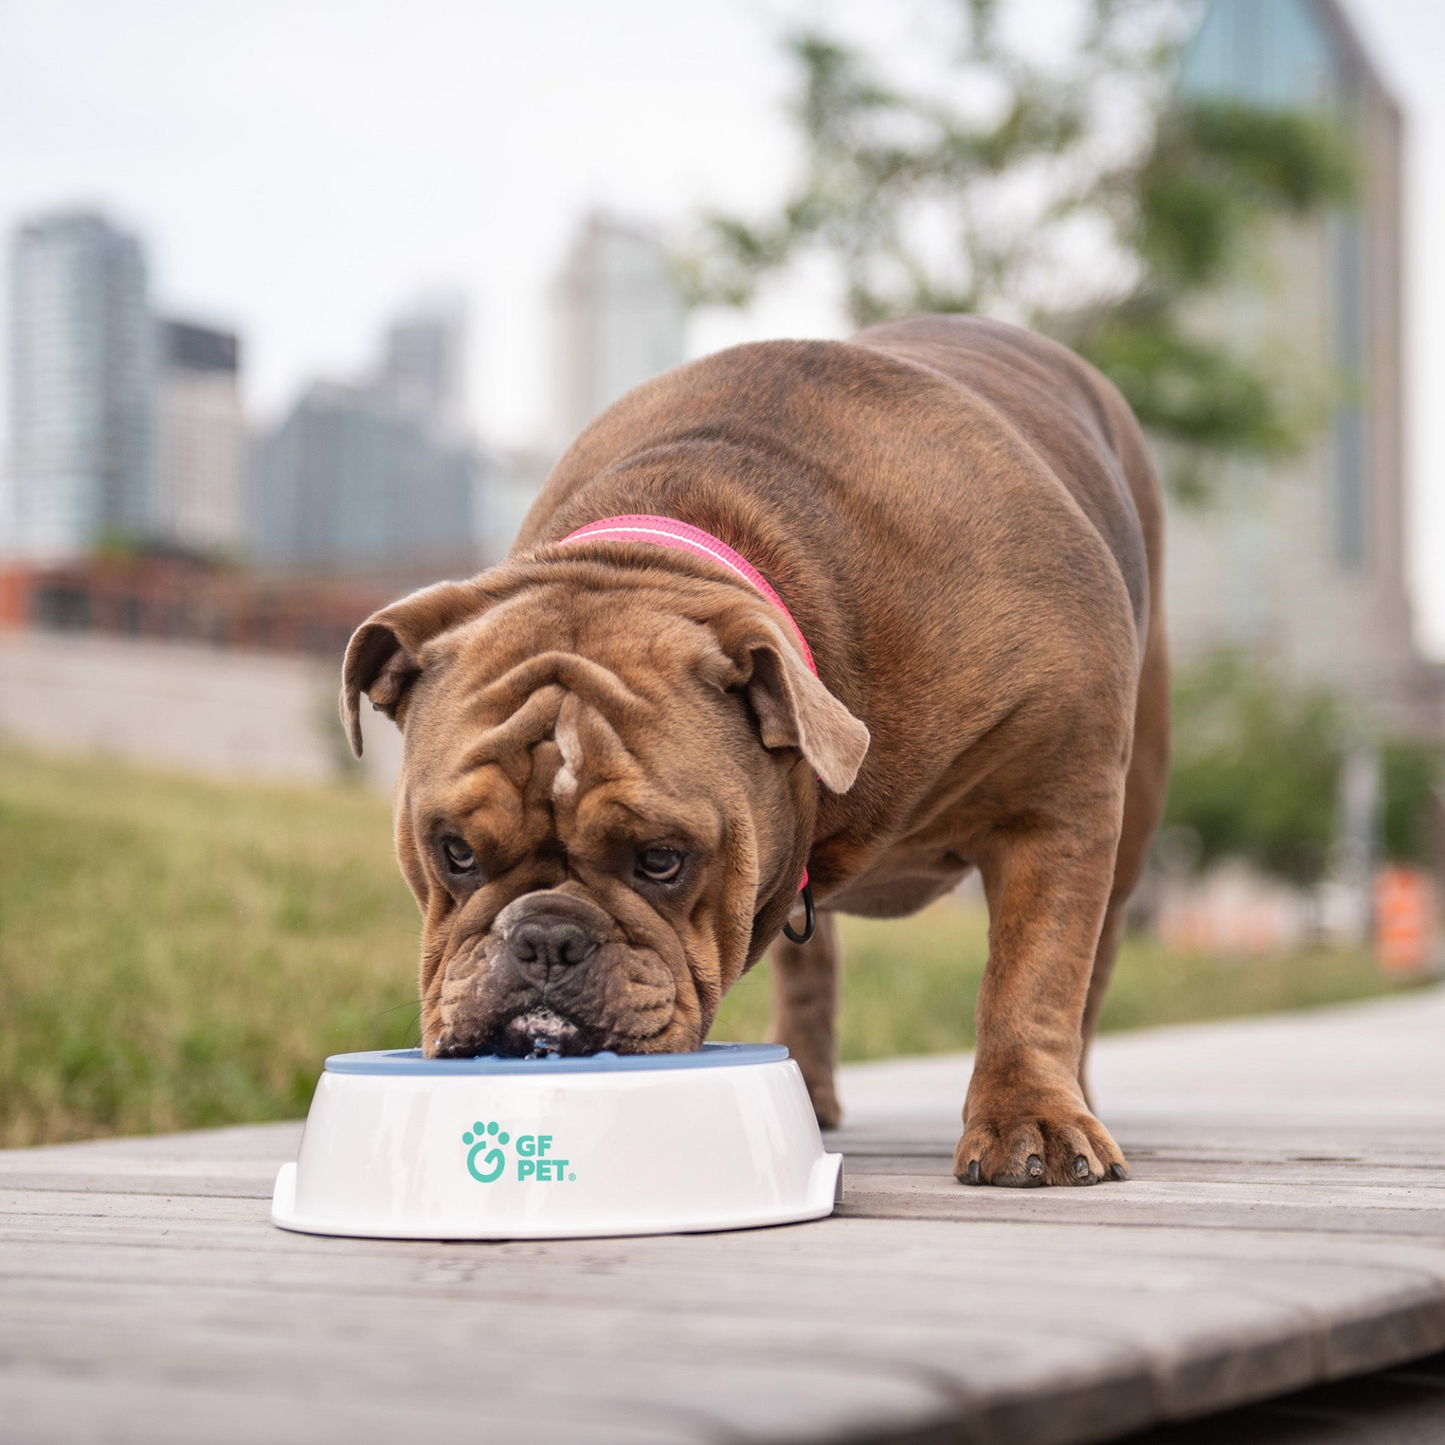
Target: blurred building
513,479
1303,562
190,599
200,439
423,365
618,320
81,360
376,475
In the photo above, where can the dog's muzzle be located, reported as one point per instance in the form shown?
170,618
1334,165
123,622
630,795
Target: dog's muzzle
550,944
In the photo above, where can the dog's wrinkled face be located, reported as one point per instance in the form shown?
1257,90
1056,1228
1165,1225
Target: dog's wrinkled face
604,808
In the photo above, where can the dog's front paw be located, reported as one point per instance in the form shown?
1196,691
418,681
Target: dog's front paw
1022,1142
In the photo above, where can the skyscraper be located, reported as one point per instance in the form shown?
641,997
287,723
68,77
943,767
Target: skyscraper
377,475
619,320
423,367
1302,561
80,378
200,438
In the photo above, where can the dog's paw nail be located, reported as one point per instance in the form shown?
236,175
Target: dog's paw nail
1117,1171
1081,1167
974,1174
1035,1166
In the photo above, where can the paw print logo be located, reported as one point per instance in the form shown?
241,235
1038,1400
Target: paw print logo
486,1142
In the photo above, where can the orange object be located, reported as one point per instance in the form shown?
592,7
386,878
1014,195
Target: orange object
13,589
1404,919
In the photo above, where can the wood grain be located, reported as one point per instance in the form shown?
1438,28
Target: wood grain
1285,1225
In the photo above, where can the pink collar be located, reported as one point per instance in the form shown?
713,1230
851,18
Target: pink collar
668,532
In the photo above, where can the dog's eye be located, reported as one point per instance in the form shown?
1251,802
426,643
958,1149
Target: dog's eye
460,858
660,865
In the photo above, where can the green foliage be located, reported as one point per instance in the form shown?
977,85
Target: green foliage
1257,765
980,201
117,544
909,984
175,953
1189,390
1255,768
1411,772
1216,170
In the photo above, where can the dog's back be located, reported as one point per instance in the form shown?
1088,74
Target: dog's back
1067,412
923,417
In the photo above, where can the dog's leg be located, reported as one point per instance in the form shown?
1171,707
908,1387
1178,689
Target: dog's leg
1145,789
805,1010
1103,970
1025,1118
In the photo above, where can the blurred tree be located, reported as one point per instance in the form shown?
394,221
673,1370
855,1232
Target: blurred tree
1411,772
1256,772
1087,199
1255,768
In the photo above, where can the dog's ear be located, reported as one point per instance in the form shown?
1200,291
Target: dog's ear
794,709
383,658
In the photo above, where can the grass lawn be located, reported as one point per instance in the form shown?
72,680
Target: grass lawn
176,953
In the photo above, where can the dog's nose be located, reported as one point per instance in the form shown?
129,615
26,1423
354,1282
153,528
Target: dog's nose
546,941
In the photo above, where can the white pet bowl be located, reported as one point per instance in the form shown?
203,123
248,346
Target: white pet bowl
401,1147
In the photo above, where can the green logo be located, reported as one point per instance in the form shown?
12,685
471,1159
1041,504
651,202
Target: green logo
486,1137
487,1161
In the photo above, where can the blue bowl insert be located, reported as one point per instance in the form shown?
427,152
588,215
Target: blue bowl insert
410,1061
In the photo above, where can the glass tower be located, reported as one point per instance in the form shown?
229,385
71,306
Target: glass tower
1282,54
81,358
1301,560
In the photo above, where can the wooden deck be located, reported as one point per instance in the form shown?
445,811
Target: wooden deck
1286,1224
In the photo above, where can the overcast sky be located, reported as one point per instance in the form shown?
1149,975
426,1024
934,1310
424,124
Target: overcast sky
301,169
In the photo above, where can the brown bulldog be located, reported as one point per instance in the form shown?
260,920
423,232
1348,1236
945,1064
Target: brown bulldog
618,763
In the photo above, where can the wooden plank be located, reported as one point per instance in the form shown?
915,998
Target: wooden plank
1256,1251
59,1410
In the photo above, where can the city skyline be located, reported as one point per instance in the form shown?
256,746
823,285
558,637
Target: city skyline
377,473
296,211
131,429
